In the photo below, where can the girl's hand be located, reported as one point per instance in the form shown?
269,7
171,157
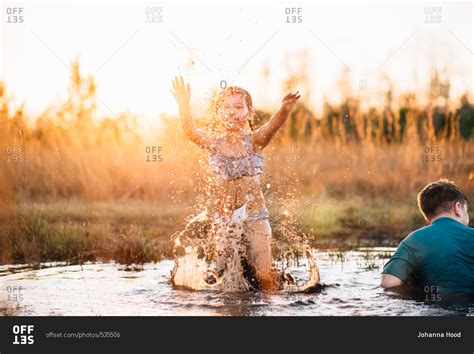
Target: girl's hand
265,133
289,101
181,93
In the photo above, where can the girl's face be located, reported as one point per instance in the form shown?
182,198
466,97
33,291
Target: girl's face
233,112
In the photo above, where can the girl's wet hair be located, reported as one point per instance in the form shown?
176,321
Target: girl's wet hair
235,90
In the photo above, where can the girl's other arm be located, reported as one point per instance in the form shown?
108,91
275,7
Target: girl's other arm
264,134
197,136
182,94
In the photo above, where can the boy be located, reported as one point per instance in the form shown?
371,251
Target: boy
438,257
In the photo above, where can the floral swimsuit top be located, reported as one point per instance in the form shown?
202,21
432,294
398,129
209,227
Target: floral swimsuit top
230,167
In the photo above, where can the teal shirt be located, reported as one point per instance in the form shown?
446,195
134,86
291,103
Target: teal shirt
439,255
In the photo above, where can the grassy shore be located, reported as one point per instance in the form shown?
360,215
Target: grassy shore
134,232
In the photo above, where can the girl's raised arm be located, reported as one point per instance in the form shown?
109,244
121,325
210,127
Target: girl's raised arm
182,94
265,133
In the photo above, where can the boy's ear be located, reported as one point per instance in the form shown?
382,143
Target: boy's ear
458,209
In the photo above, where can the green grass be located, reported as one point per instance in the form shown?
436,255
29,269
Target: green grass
128,232
135,232
367,218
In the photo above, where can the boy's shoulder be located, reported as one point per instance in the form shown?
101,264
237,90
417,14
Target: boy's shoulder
418,233
436,228
424,235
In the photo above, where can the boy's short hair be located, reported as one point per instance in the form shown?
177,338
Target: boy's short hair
438,197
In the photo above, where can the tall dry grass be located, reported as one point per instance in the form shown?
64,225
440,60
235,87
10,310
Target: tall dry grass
72,153
68,153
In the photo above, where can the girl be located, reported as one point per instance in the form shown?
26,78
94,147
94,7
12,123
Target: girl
236,159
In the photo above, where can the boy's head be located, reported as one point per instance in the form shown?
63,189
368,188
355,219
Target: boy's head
443,198
233,107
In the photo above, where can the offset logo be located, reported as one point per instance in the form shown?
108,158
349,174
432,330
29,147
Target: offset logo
22,334
14,15
294,14
154,15
154,153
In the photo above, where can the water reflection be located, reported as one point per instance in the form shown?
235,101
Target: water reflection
108,289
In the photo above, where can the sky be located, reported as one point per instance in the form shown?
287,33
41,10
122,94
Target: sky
216,44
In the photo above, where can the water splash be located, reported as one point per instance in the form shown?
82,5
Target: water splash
212,253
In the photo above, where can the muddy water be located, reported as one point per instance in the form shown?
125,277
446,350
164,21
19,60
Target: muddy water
108,289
